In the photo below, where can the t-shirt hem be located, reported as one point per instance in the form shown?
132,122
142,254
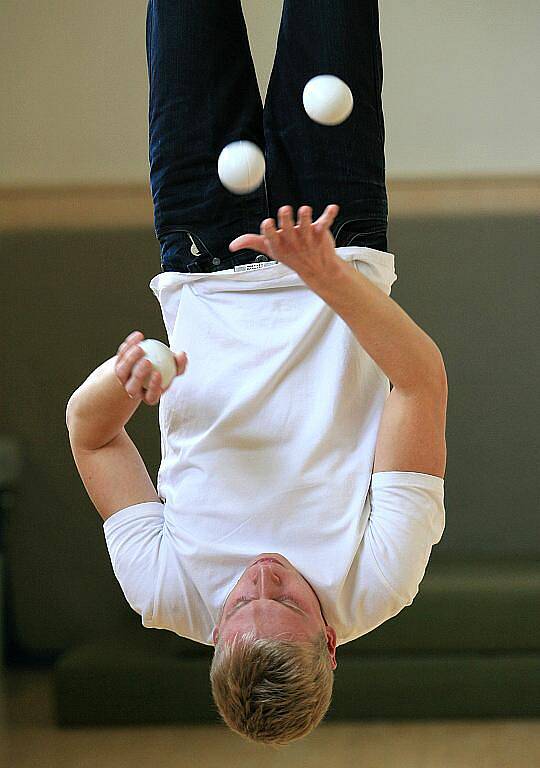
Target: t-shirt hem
277,272
406,478
126,512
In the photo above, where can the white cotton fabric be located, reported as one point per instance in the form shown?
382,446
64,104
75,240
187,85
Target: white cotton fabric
268,442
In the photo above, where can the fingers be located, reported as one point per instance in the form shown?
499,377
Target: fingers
327,218
304,217
133,370
285,218
132,339
153,392
253,242
305,212
155,387
136,368
181,363
270,235
125,357
268,230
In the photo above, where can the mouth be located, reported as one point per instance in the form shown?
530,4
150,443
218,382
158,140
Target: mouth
267,560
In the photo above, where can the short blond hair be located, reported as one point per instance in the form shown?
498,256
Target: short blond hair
269,690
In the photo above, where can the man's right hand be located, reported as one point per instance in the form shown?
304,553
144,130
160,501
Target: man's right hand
132,369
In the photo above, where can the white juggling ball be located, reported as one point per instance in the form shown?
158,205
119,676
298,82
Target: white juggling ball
241,167
162,360
328,100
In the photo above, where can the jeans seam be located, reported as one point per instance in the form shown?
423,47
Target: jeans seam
376,79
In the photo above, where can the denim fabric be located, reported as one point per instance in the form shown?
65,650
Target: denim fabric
203,95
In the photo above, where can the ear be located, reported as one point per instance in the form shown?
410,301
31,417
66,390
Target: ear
331,639
215,635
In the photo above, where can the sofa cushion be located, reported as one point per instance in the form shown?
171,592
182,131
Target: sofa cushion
464,606
124,683
109,684
468,646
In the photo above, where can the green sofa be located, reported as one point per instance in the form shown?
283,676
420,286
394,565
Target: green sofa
469,645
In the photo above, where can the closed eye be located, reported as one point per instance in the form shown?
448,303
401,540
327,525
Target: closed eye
245,600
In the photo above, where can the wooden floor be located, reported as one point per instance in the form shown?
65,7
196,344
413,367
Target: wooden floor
29,739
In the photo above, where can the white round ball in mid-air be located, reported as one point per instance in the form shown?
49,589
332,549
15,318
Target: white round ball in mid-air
241,167
162,360
328,100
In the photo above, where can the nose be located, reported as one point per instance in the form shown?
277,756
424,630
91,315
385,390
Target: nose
265,575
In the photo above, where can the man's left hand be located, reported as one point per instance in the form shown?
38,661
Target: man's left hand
307,247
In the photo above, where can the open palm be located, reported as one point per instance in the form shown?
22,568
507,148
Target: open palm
307,247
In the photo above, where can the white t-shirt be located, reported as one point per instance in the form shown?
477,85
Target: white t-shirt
268,443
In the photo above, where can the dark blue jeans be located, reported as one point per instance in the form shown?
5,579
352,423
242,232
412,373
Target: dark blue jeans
204,95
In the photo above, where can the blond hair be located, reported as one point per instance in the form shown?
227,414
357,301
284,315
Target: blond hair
269,690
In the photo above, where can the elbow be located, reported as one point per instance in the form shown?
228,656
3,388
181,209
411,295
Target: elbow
70,409
68,406
436,374
428,373
443,377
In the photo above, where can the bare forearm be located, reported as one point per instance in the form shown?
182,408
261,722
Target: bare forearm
401,349
100,408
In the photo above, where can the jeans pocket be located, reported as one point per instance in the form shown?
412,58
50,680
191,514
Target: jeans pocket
180,248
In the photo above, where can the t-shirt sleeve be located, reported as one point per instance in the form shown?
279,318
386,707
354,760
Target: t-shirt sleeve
133,536
407,519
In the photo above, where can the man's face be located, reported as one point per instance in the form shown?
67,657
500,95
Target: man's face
278,602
